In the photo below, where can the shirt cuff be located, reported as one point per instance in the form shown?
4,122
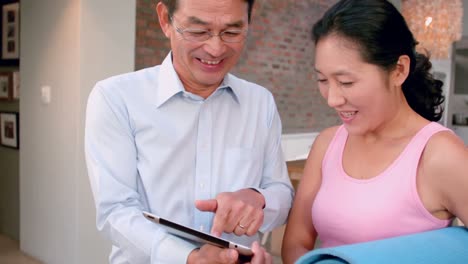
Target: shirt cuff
258,190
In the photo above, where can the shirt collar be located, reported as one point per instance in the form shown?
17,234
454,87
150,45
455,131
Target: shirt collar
231,83
170,84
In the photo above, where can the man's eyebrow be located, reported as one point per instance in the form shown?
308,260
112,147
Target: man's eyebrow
238,24
198,21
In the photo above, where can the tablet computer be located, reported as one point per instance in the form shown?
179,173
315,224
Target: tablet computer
197,236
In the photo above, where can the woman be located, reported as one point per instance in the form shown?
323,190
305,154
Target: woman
389,169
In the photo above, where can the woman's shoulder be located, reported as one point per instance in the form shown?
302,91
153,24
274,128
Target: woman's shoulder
322,141
445,153
326,135
445,144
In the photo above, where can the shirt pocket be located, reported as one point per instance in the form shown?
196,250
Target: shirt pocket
242,168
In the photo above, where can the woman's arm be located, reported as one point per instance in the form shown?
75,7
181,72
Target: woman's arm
444,167
300,234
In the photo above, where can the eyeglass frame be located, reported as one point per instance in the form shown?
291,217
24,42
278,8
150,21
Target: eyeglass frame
208,33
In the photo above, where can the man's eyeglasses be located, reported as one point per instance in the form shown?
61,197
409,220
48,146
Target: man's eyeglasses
200,35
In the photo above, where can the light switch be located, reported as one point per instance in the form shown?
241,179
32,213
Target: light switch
46,94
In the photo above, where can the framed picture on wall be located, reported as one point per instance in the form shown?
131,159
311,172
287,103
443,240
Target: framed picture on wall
9,130
5,86
10,31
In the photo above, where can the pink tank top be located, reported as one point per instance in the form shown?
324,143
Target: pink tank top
348,210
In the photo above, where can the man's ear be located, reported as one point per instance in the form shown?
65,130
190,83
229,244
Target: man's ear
163,16
401,71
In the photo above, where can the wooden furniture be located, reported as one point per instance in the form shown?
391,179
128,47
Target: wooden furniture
295,170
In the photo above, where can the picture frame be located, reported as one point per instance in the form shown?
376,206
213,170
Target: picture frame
10,31
5,86
9,129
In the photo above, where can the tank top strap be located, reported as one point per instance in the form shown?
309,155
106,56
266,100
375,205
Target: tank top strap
416,146
334,155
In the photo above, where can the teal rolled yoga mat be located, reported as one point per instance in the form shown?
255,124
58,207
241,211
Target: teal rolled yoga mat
443,246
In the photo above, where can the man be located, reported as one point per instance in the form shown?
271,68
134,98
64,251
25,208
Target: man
187,141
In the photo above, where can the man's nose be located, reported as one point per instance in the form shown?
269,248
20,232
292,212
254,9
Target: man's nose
215,46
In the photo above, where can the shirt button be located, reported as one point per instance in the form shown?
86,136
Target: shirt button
202,228
202,185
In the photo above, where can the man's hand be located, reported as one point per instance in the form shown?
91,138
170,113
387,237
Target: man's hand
239,212
212,254
260,255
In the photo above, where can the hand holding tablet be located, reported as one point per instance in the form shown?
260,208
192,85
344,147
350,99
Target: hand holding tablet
197,236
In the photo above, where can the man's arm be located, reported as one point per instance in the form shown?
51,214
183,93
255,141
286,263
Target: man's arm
112,166
275,186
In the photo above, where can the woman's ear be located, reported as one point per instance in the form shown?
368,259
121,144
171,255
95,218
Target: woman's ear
401,71
164,21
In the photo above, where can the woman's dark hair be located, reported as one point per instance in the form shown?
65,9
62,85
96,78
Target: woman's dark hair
382,35
172,6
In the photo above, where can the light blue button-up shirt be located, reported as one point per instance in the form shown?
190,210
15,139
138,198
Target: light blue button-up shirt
152,146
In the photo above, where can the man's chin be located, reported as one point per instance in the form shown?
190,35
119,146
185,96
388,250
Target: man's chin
210,82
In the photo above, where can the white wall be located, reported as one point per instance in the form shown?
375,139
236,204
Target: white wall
297,146
69,45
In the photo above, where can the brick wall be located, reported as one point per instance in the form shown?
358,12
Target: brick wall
278,55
